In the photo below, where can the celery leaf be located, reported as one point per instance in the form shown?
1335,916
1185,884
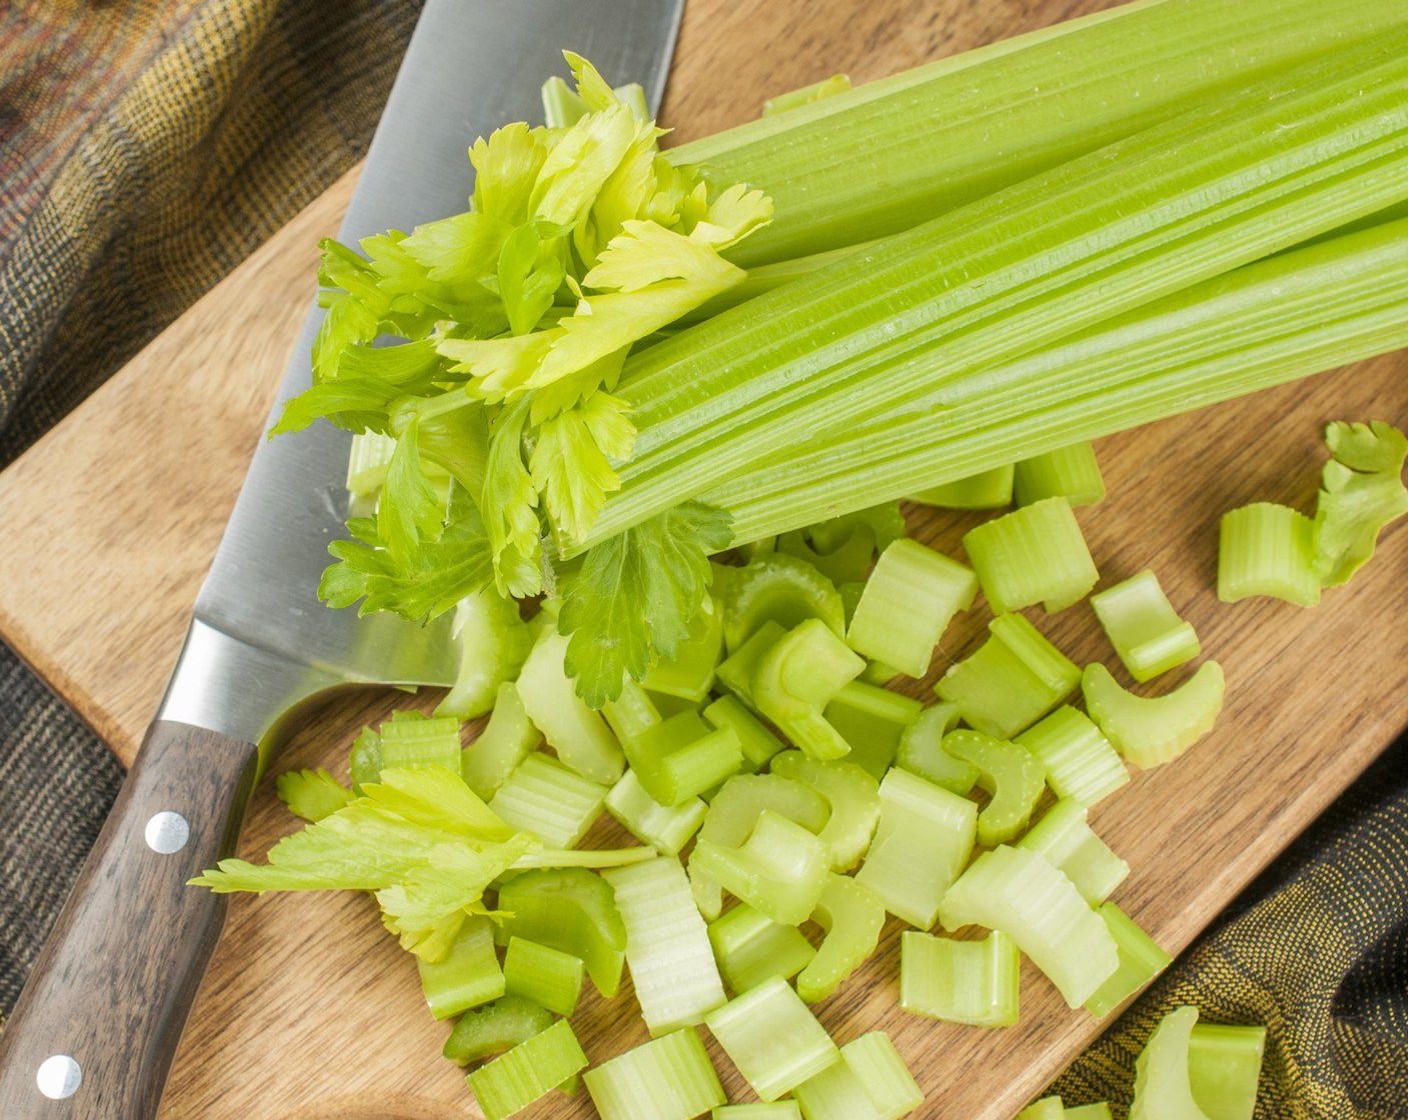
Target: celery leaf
311,794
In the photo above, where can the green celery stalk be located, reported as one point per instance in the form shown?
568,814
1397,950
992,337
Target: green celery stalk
773,1038
1267,549
669,1078
578,734
852,797
1079,762
493,642
752,948
1224,1067
468,976
544,797
420,742
528,1072
1070,845
546,976
758,743
683,756
990,489
921,751
689,675
869,1082
797,677
1070,472
571,909
1162,1090
972,982
736,671
806,95
506,740
665,828
772,1110
1035,554
494,1028
780,869
777,588
872,720
1143,627
1140,959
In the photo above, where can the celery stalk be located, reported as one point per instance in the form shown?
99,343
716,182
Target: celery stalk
1140,961
1143,627
736,671
772,1110
781,869
1035,554
1079,762
777,588
908,602
989,489
571,909
852,798
869,1082
1011,776
1267,549
528,1072
1150,731
547,976
773,1038
1161,1084
972,982
852,917
506,740
494,1028
758,743
493,643
751,948
1070,845
872,720
669,1078
468,976
1014,679
1224,1066
682,757
795,679
690,673
921,750
547,799
665,828
1066,472
806,95
578,735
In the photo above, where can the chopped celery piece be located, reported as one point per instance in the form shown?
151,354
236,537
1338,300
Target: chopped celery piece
797,677
420,742
494,1028
807,95
1224,1067
852,797
683,756
1011,776
736,671
1140,961
852,917
1080,763
1013,679
990,489
1048,1108
922,842
1150,731
1069,844
921,750
1019,892
632,713
780,870
493,641
547,976
367,463
771,1110
773,1038
777,588
571,909
690,673
1143,627
468,976
578,735
1267,549
1361,494
882,525
667,945
758,743
665,828
869,1082
878,673
1035,554
506,740
528,1072
1099,1111
668,1078
751,948
1070,472
971,982
544,797
872,720
908,602
1162,1089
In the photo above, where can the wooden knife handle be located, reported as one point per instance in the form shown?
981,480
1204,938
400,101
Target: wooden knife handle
97,1025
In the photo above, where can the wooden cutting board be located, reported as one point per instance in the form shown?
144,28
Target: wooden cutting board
311,1011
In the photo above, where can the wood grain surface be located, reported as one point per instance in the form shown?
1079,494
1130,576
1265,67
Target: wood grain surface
311,1011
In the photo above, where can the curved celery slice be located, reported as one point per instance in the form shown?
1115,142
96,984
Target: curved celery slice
908,602
736,671
1162,1090
1224,1067
506,740
971,982
667,946
682,757
544,797
872,720
1361,494
1013,679
494,1028
780,870
921,750
1079,762
1267,549
795,679
848,562
869,1082
758,743
665,828
773,1039
751,948
493,641
571,909
1143,627
468,976
1017,891
578,735
853,917
922,842
632,713
528,1072
1065,838
669,1078
1012,777
777,588
546,976
1140,961
1150,731
1070,472
689,675
990,489
1035,554
852,796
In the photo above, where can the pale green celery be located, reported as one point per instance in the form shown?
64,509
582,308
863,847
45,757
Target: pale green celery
1070,472
547,976
852,797
877,672
493,641
908,602
1100,1111
545,798
797,677
682,757
772,1110
872,720
1013,679
1140,961
751,948
1079,762
1069,844
1048,1108
1143,627
1019,892
667,945
420,742
468,976
734,813
806,95
578,735
773,1038
571,909
989,489
736,671
506,740
1150,731
848,563
632,713
1224,1067
494,1028
1012,778
921,750
667,829
365,761
669,1078
922,843
1267,549
852,917
528,1072
777,588
1035,554
780,869
367,463
971,982
690,675
562,106
758,743
869,1082
1161,1084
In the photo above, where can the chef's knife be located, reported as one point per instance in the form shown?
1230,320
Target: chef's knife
98,1023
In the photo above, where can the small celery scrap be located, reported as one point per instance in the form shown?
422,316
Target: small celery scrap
312,794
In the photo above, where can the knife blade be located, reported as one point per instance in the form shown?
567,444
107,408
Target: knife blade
97,1026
